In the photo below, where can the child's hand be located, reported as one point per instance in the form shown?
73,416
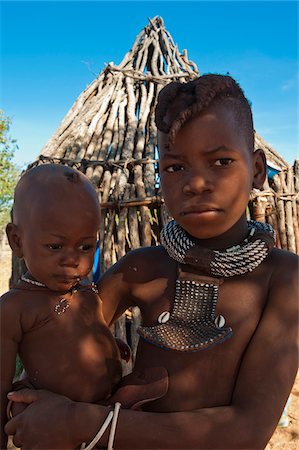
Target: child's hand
15,408
124,349
140,387
45,412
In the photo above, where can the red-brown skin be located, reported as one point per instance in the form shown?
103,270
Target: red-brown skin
231,395
74,353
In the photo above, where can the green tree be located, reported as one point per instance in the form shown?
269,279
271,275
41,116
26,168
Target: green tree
9,173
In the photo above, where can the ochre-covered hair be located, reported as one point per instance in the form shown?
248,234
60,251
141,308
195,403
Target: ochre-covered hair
179,102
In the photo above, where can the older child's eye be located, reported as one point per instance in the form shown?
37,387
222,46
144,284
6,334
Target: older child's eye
223,162
54,246
174,168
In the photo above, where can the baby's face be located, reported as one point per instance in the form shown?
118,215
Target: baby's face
59,239
207,174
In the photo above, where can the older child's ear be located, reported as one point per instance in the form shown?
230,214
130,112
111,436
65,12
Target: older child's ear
14,238
259,168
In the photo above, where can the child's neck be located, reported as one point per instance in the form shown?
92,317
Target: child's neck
234,236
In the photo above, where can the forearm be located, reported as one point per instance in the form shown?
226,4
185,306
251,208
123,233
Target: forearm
213,428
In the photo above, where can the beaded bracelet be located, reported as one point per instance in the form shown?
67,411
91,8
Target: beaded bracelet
113,415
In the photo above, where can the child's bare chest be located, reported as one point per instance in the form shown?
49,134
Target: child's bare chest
239,300
67,347
60,310
214,368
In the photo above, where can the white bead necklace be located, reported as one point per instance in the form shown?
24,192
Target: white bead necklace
62,305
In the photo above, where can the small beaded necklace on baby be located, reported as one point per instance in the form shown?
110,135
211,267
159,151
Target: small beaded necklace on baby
192,324
63,304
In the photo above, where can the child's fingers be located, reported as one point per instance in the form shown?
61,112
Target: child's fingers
124,349
24,395
11,429
15,408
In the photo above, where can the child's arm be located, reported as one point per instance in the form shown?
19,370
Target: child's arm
115,287
10,335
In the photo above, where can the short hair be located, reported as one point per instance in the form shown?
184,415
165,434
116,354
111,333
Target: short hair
42,178
180,102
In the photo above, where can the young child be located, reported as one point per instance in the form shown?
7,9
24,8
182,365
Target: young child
51,317
219,304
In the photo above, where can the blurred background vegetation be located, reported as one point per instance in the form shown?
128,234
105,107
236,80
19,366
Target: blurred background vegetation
9,172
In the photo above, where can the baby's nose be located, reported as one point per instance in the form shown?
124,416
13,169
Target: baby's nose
70,258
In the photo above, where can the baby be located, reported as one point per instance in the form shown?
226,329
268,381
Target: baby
52,318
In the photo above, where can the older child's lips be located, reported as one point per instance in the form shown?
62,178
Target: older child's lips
201,209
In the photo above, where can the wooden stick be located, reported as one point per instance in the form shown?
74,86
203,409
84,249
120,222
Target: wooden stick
289,183
133,222
281,212
121,226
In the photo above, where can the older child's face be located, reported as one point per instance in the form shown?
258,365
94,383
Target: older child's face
59,239
207,175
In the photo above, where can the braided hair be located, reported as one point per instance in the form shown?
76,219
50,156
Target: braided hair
180,102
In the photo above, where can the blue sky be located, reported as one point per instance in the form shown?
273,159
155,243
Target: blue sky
50,51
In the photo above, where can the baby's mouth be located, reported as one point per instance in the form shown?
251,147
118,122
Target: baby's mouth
68,279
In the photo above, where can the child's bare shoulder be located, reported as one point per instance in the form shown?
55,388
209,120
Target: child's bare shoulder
141,261
145,254
13,305
119,284
284,266
283,288
11,308
12,300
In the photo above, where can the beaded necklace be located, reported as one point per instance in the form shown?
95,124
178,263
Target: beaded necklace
63,304
235,260
192,324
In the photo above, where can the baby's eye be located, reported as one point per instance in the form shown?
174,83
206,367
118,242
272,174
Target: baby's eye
223,162
174,168
54,246
86,247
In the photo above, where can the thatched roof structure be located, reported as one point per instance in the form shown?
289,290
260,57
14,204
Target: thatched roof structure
110,134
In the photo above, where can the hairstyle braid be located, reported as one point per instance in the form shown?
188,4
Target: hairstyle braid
179,102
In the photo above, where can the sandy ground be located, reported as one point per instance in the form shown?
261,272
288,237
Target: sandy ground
284,438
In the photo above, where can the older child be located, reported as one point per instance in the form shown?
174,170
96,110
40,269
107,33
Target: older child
51,318
219,304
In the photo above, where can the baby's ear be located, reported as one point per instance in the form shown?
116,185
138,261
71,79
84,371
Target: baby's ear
14,238
259,168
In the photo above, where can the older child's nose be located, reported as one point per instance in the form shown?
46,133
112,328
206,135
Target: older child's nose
197,181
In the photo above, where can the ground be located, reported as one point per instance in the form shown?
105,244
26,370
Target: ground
284,438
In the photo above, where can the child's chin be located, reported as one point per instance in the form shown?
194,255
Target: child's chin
201,232
63,285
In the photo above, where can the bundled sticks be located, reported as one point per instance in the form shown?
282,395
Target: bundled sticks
278,204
